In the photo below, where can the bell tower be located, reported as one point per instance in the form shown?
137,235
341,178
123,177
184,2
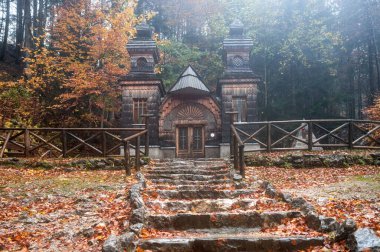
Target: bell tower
142,91
238,87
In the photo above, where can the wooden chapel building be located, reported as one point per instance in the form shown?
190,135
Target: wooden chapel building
188,120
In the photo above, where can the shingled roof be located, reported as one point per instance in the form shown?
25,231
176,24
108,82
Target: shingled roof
189,82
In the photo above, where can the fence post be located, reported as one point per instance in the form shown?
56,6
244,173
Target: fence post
147,134
310,135
137,154
27,142
104,143
236,152
269,137
126,158
241,160
232,120
64,144
350,135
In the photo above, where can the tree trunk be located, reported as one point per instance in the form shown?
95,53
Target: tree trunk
35,18
28,41
5,39
41,19
19,29
371,95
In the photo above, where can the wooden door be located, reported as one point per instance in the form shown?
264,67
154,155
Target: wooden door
190,142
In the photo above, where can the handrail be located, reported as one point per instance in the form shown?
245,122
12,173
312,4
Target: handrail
296,135
62,142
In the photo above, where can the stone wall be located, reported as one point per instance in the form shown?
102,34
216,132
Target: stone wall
301,160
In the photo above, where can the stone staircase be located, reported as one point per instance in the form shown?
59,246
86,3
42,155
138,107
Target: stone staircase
196,205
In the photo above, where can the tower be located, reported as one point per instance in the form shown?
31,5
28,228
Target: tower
141,89
238,86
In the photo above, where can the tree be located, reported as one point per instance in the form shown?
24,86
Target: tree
73,79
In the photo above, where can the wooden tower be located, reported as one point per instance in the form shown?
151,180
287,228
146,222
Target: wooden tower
141,89
238,86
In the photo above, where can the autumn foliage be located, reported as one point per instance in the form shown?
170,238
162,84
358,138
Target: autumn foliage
71,73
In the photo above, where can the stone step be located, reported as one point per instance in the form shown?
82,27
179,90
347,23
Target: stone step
218,220
232,243
186,177
191,182
208,206
190,171
228,186
200,194
187,168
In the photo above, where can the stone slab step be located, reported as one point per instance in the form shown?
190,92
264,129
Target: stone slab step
187,168
199,194
190,171
229,186
218,220
186,177
207,206
280,244
191,182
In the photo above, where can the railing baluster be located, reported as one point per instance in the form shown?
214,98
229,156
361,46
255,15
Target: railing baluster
127,158
269,137
27,142
137,153
310,136
64,144
350,135
241,160
104,143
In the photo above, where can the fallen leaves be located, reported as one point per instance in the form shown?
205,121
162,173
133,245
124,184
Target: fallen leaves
76,210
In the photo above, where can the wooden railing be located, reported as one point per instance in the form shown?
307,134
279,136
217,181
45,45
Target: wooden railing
300,135
75,142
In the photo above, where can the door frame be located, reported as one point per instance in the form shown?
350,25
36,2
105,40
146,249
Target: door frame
190,128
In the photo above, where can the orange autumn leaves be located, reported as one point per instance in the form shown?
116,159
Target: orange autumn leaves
73,76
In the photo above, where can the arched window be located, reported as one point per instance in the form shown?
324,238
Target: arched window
141,63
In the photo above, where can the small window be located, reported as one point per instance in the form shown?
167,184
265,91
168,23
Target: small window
239,104
139,109
141,63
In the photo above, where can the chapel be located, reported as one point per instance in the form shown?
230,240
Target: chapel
188,120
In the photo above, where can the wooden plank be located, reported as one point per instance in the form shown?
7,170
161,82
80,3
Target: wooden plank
84,142
45,142
289,134
5,144
330,133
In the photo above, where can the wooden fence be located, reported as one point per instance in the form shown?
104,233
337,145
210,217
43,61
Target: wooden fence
300,135
75,142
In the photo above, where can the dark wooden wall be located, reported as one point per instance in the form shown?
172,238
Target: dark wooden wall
148,89
229,88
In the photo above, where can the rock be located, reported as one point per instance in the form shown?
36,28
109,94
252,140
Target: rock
307,207
344,230
285,197
298,202
270,191
88,232
237,177
127,240
264,184
136,201
112,244
100,165
312,221
321,223
364,239
328,224
138,216
136,228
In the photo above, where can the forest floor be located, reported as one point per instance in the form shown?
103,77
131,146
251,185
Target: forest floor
66,209
61,209
352,192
